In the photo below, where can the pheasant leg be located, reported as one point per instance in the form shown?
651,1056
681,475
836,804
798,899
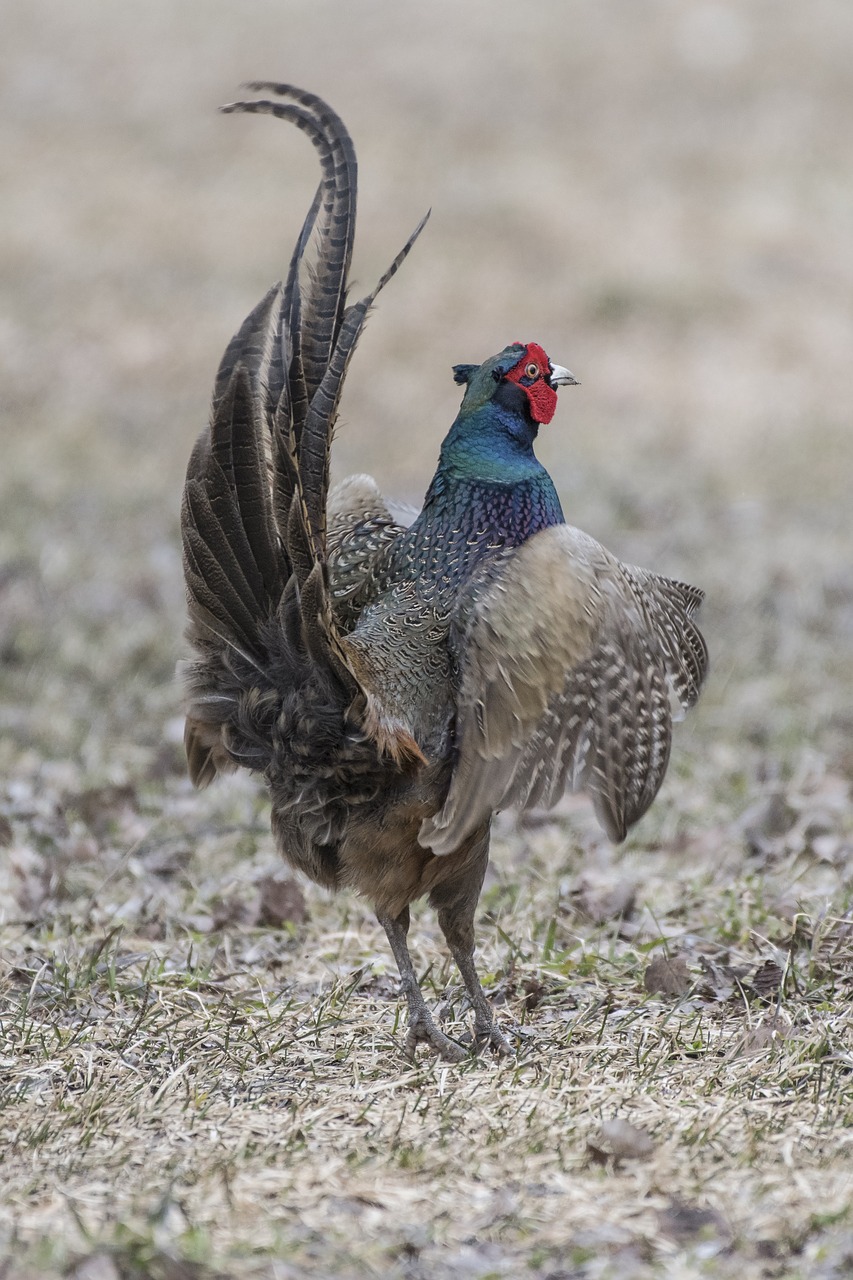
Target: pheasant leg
455,902
422,1028
459,932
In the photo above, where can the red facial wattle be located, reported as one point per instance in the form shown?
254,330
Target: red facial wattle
540,394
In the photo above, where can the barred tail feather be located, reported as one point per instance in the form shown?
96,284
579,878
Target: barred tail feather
254,508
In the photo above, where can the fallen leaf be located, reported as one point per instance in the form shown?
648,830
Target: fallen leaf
102,808
765,822
763,1036
766,980
534,993
234,909
722,981
381,986
354,1205
774,816
667,976
620,1140
31,879
682,1221
282,901
833,949
600,903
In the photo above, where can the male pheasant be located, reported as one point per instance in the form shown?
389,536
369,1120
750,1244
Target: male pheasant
394,685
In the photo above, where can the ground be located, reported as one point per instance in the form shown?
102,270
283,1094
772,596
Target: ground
201,1062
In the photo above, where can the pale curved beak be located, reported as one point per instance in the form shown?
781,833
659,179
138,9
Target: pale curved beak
560,377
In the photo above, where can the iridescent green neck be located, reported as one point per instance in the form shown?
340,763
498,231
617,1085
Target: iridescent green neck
489,484
491,444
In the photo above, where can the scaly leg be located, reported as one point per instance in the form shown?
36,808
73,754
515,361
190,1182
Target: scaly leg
456,903
422,1028
459,933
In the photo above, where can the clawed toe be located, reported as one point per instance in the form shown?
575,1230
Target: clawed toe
424,1031
422,1026
490,1037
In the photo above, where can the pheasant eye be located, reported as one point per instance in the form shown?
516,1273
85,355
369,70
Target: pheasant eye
532,371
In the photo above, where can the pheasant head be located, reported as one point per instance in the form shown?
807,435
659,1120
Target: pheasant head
520,379
507,398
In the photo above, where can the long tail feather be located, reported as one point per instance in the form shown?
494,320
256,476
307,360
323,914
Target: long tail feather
254,509
321,304
315,453
326,289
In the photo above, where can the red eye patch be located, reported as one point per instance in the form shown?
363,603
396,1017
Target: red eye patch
542,396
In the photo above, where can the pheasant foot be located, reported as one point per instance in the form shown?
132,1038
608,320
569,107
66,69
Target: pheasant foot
422,1030
487,1034
422,1027
491,1037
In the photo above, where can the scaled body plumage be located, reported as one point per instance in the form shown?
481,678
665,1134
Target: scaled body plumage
396,685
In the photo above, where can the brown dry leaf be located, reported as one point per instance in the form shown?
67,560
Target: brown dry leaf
233,909
31,879
722,981
667,976
602,903
282,901
101,808
534,993
7,835
380,986
620,1140
765,822
763,1036
771,817
355,1204
681,1222
767,980
833,951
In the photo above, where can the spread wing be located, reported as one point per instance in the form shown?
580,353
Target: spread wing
569,663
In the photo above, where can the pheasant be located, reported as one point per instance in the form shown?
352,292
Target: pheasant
397,685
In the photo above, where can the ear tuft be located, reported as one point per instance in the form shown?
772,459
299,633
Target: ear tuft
462,373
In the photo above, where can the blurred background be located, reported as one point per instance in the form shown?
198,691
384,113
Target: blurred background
661,195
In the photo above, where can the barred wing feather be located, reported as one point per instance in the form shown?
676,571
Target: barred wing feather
568,662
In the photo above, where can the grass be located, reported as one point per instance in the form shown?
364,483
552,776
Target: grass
200,1065
185,1093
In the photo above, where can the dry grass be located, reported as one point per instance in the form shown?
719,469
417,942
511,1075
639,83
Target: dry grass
663,197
